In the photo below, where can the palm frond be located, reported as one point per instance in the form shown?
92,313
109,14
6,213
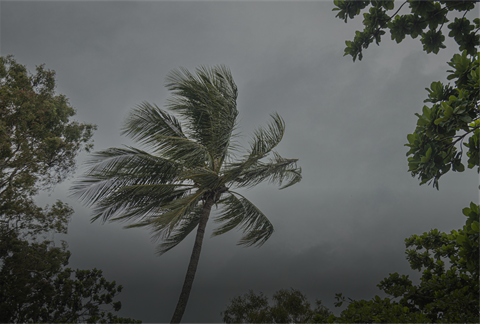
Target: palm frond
122,205
118,167
207,101
151,126
202,177
263,142
183,150
241,212
187,225
147,121
278,170
130,204
114,159
266,139
154,190
166,220
126,184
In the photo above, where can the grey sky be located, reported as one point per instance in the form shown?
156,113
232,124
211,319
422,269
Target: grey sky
342,229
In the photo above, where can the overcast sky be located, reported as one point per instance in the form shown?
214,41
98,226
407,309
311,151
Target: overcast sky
341,229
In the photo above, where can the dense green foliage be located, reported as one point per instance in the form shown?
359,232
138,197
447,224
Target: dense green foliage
424,18
289,306
191,166
453,118
36,286
38,146
38,141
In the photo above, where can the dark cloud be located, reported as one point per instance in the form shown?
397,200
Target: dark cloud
341,229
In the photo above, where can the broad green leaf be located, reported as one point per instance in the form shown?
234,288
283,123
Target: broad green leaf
475,226
460,239
474,208
411,138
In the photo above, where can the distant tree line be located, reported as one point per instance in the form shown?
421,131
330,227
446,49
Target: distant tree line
289,306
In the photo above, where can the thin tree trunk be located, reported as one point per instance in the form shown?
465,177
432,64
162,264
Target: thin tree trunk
192,266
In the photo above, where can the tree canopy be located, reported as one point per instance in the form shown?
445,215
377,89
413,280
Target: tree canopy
36,286
423,18
449,126
453,114
38,140
38,146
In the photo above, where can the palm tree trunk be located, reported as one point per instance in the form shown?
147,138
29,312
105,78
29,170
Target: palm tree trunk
192,266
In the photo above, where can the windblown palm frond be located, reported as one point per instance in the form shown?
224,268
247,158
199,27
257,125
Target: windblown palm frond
115,169
202,177
151,126
207,102
182,230
148,121
263,142
240,212
278,170
162,224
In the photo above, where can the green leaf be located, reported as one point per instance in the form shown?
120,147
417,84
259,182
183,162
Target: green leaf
426,112
439,120
474,208
411,138
461,239
460,167
475,226
428,154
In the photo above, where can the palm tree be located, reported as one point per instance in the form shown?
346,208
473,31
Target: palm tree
172,188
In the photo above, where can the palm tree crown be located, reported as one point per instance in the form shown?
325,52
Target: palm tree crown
189,167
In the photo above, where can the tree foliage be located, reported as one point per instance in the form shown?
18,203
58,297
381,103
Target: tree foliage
38,140
449,286
449,126
289,306
38,146
451,122
192,164
424,18
36,286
